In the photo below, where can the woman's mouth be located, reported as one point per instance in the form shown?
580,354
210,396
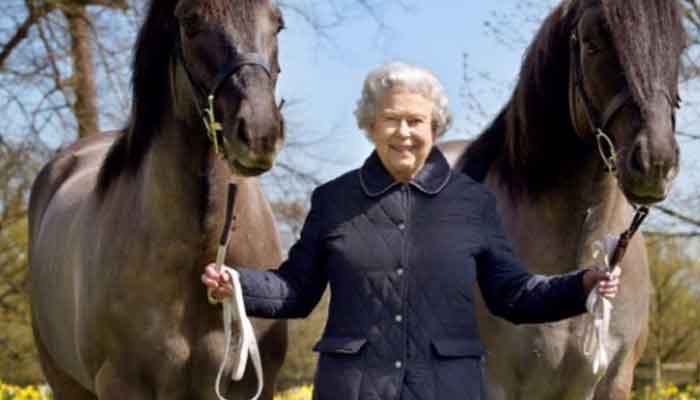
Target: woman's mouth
402,148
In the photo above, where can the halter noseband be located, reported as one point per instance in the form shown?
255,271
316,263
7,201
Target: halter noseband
230,68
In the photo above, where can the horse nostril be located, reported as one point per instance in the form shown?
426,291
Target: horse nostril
243,133
638,164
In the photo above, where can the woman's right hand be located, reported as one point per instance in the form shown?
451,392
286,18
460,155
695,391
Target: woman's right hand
219,282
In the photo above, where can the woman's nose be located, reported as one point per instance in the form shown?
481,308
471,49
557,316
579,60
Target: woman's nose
404,129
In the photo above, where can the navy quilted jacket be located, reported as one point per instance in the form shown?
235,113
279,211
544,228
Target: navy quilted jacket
401,261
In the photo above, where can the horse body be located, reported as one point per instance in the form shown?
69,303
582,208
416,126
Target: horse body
553,235
557,197
98,312
119,235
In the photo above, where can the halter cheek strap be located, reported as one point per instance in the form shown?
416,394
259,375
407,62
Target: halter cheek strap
230,68
606,147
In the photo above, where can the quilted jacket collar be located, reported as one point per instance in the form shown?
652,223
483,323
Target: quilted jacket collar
376,180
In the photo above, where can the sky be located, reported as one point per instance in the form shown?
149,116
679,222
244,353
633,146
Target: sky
322,78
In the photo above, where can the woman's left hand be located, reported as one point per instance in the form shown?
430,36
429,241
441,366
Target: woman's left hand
608,282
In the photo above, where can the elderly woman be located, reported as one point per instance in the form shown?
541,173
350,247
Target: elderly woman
401,241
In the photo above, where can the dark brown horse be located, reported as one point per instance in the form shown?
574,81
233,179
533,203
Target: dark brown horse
121,225
595,64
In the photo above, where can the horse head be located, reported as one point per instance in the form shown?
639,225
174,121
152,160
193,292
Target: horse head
623,89
228,52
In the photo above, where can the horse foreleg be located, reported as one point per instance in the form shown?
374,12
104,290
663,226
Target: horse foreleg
62,385
617,383
111,385
273,345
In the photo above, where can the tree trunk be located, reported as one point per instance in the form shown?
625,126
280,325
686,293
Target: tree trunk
83,80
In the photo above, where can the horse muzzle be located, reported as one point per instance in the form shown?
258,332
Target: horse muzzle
252,138
651,166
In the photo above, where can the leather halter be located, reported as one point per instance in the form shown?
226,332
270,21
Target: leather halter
209,93
598,123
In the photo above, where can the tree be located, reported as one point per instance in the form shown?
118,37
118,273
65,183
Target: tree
16,345
51,47
674,329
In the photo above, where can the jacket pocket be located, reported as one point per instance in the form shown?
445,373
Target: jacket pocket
340,345
339,372
456,348
458,367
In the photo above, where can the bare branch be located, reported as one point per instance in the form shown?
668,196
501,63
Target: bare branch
677,215
22,31
672,235
688,135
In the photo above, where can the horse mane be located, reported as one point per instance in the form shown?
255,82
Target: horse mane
519,140
150,87
530,143
648,56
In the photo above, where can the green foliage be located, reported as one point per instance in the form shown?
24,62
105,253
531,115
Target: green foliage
667,392
11,392
297,393
300,364
18,359
674,321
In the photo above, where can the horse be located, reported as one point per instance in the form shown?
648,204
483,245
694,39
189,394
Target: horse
589,129
122,224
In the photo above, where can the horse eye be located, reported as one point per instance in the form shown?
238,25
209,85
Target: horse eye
191,24
592,48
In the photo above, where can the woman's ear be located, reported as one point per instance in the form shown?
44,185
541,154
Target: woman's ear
369,134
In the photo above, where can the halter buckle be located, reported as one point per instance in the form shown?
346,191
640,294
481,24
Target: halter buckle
610,161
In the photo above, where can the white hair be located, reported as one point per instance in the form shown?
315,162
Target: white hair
404,76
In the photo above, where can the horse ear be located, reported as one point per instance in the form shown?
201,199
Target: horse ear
567,6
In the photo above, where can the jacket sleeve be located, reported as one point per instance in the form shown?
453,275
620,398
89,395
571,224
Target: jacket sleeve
513,293
293,290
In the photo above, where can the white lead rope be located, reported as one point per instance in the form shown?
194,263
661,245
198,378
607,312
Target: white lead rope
234,313
596,333
597,328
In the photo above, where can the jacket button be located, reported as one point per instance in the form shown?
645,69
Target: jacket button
398,364
398,318
402,226
399,271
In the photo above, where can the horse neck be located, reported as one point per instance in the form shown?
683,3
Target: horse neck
584,206
559,186
182,183
591,207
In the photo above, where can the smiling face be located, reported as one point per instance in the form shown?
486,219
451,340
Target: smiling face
403,132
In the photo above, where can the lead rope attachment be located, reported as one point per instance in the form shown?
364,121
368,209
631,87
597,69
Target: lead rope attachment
212,125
